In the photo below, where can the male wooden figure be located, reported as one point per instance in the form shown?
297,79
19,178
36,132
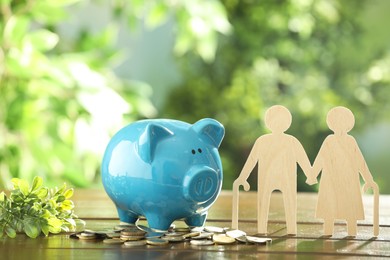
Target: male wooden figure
341,161
277,155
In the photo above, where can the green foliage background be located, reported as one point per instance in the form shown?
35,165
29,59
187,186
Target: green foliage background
309,55
236,59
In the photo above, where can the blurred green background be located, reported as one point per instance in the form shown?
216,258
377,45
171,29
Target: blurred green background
74,72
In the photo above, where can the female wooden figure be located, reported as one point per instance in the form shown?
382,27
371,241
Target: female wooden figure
341,162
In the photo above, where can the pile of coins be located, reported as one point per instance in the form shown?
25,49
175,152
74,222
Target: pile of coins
132,235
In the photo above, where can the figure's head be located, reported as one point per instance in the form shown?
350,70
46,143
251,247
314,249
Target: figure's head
340,120
278,119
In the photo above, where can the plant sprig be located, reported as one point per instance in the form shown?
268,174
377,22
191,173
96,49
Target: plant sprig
36,209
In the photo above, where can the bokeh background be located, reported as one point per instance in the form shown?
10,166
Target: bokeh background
73,72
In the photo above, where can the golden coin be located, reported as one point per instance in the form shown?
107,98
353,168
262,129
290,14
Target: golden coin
156,241
182,229
223,239
203,235
192,234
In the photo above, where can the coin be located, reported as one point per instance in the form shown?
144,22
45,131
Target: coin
123,226
131,238
214,229
174,239
201,242
112,241
156,241
86,236
203,235
192,234
154,234
113,235
258,240
235,233
133,232
182,229
223,239
135,243
242,239
197,229
174,234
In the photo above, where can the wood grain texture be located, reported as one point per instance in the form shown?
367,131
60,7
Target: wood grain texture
342,163
99,212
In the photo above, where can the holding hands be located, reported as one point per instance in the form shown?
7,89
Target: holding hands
311,177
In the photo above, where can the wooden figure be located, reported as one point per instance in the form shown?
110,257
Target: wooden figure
277,155
341,161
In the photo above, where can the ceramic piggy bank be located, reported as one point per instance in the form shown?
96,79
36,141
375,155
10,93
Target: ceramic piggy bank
164,170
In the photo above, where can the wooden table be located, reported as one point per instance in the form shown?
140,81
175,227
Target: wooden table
98,211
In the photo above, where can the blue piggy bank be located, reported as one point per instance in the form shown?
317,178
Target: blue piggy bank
164,170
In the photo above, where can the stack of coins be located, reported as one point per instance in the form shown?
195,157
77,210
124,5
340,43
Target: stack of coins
132,235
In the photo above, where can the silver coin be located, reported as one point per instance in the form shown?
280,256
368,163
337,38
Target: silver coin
201,242
258,240
135,243
235,233
112,241
87,234
174,234
242,239
214,229
197,229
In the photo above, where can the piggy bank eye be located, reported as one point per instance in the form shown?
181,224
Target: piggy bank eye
199,150
193,151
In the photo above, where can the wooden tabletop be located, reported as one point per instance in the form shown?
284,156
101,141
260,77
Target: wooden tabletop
98,211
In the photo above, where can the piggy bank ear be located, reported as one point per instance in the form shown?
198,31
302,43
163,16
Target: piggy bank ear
149,139
210,130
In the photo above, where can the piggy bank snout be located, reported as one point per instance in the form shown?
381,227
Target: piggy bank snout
200,184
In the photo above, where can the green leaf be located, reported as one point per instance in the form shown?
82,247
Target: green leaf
22,185
15,29
42,40
2,196
54,225
69,193
60,198
10,232
67,205
31,228
45,229
37,183
42,193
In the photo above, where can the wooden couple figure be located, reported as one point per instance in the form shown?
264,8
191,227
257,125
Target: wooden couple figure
340,160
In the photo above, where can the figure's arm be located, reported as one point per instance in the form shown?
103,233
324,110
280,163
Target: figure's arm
248,167
318,163
304,163
363,169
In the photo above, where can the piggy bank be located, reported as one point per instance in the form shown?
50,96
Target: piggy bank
164,170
